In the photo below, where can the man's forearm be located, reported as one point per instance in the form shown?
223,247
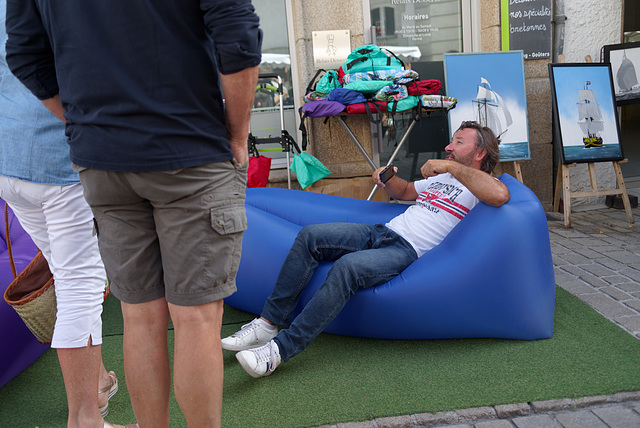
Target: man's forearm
485,187
239,91
55,106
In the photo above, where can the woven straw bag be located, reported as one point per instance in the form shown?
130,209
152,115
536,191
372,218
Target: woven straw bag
32,294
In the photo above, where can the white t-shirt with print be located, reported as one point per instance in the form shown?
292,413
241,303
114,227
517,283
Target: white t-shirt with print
442,202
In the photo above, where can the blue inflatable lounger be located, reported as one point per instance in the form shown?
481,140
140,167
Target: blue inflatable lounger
492,277
18,346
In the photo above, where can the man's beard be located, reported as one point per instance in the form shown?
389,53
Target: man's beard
464,160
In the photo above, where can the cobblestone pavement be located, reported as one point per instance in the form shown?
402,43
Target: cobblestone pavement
597,260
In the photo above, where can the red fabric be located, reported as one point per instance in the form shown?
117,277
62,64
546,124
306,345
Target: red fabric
258,172
360,108
341,74
424,87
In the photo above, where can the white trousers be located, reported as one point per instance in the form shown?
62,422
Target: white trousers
60,222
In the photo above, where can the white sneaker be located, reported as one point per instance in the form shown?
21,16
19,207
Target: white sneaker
261,361
252,335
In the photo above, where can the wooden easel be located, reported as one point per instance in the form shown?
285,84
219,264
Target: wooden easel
563,185
517,171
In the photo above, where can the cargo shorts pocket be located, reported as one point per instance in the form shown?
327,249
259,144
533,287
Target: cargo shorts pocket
229,219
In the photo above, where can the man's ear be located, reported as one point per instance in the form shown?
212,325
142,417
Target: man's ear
480,154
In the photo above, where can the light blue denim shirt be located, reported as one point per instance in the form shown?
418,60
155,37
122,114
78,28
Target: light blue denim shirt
33,145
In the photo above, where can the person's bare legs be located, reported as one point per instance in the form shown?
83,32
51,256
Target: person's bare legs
146,361
80,368
198,366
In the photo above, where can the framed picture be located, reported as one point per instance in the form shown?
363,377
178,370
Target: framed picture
489,87
625,66
585,114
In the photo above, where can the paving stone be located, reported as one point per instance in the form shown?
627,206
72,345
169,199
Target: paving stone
606,305
615,293
631,287
363,424
511,410
590,401
618,417
594,281
632,324
574,270
623,397
634,303
576,286
537,421
430,419
580,419
454,426
616,279
631,273
570,233
576,258
552,405
499,423
597,270
614,265
476,413
625,257
404,421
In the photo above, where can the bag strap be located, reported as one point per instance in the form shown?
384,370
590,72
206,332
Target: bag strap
312,83
370,113
6,225
290,142
394,55
303,128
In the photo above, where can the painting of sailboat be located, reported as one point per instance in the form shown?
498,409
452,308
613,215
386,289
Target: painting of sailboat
491,109
625,64
585,118
490,88
589,117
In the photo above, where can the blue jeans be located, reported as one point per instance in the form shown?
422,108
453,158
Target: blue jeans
364,256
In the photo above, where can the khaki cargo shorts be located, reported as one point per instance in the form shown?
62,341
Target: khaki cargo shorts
175,234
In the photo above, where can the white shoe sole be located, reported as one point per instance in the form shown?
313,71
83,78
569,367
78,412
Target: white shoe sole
247,368
239,348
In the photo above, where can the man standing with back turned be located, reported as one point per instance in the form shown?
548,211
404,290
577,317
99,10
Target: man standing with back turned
163,166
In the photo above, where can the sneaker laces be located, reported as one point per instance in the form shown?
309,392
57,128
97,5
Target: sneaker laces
248,329
267,353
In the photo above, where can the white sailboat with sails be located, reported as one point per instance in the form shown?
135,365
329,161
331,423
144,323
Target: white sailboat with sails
491,110
589,117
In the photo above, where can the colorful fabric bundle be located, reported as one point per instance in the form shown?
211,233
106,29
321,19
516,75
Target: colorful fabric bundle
392,93
346,96
315,96
367,58
371,75
404,77
437,101
424,87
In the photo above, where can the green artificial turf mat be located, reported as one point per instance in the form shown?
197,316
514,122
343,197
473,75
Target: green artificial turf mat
342,379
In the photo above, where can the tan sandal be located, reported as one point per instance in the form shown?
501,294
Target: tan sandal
110,390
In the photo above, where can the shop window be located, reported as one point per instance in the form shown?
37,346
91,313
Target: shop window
265,117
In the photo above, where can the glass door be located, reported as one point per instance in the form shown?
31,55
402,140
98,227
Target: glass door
266,120
419,32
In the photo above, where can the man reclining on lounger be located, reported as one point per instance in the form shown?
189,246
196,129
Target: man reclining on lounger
367,255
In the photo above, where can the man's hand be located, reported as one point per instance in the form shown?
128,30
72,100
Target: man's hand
240,150
435,167
376,176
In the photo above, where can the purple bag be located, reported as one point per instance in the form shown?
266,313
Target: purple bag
346,96
322,108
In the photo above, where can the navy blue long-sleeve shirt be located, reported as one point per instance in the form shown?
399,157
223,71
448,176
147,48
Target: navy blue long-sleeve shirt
138,78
